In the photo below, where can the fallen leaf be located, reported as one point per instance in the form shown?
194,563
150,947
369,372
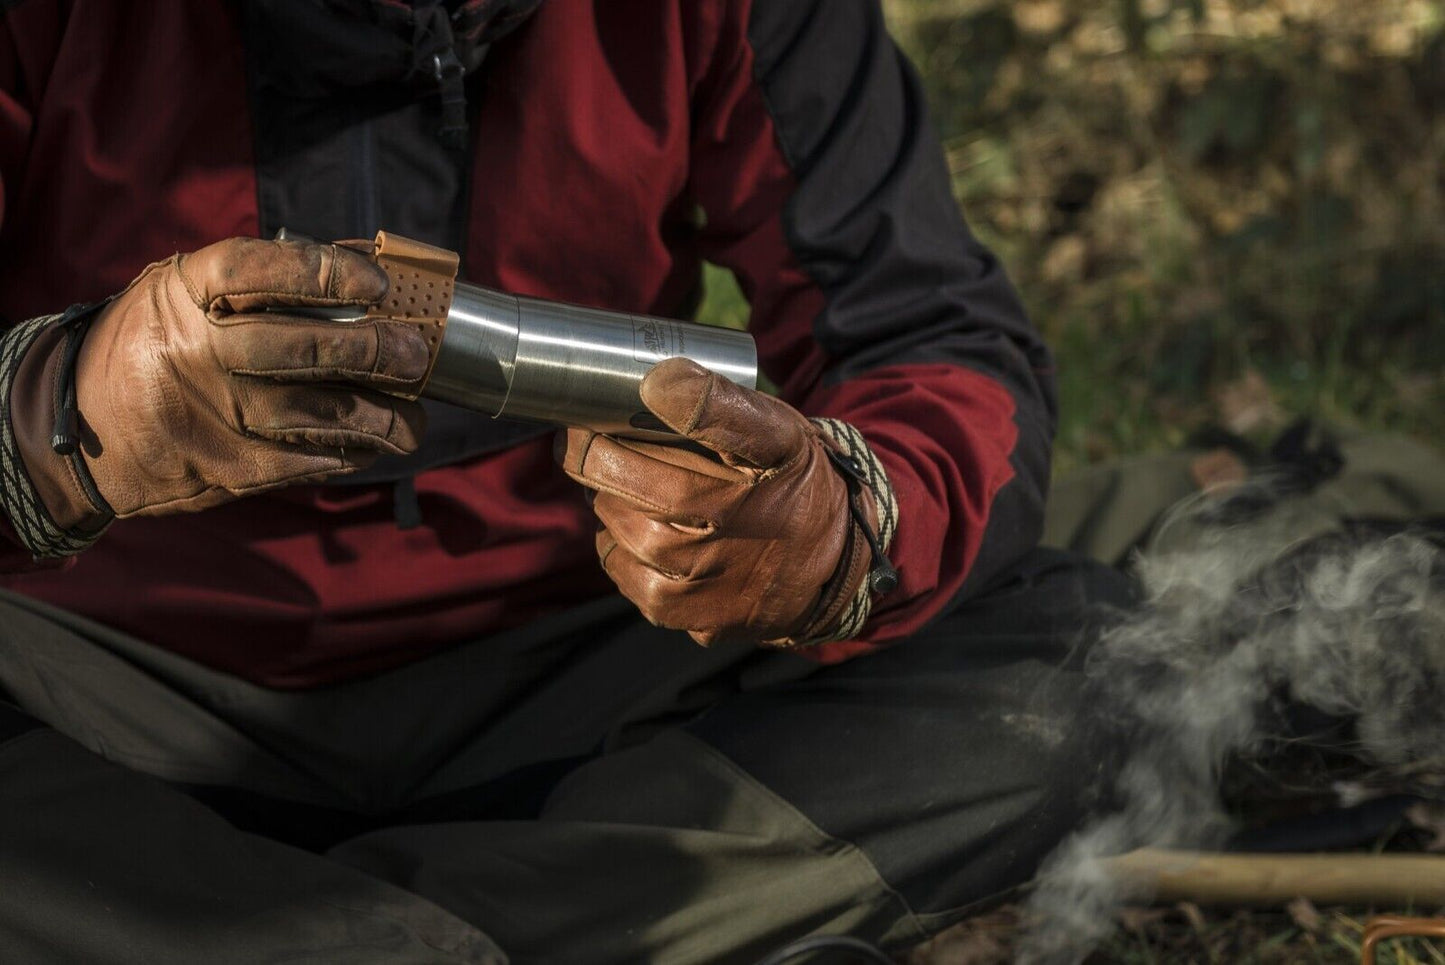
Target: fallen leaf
1216,469
1247,404
1193,915
1137,920
1065,260
1304,914
1429,817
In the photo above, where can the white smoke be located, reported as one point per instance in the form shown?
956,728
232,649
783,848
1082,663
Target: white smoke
1352,625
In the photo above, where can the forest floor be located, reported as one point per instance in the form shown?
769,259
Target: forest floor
1185,934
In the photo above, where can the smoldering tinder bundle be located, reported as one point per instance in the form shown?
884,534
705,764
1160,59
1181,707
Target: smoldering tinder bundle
1246,618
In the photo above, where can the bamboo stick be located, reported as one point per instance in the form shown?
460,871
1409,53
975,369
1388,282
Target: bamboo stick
1330,879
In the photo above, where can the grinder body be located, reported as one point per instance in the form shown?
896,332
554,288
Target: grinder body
528,358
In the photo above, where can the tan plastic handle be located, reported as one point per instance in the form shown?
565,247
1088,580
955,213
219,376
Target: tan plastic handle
423,279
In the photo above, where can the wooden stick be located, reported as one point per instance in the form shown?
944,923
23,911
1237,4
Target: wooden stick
1254,879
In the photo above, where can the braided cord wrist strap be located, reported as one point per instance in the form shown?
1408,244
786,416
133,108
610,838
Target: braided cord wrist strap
19,500
850,443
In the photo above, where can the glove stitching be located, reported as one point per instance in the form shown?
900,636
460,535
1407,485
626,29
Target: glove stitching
331,273
614,491
391,427
357,437
607,553
799,455
300,296
290,375
195,293
382,361
299,300
674,575
342,467
702,400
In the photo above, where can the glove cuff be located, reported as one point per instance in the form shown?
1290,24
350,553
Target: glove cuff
31,360
847,602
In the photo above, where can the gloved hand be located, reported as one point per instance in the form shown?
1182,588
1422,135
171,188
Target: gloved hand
749,537
191,393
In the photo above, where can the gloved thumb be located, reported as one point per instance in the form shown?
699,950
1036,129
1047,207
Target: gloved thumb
743,426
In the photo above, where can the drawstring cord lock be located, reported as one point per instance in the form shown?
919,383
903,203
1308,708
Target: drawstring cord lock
883,576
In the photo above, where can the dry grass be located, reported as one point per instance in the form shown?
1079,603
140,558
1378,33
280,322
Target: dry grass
1188,935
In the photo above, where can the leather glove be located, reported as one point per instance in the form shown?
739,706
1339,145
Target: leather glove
191,392
744,535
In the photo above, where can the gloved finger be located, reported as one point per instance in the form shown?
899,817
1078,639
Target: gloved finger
304,462
251,274
328,418
286,466
364,246
375,353
662,600
674,549
663,481
745,427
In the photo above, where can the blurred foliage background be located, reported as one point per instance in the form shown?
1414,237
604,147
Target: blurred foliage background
1219,211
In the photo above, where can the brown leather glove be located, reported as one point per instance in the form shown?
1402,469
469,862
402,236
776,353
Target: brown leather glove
192,393
747,536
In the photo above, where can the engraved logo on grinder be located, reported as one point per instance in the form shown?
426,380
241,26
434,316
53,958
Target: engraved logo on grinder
655,339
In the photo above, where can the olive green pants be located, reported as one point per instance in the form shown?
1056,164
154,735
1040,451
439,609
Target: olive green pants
585,789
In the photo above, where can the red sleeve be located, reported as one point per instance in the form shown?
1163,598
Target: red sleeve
14,122
826,192
27,40
29,36
15,116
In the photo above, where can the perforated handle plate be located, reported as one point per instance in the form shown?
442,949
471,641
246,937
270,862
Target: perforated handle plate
423,279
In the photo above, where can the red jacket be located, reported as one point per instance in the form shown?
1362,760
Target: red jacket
612,146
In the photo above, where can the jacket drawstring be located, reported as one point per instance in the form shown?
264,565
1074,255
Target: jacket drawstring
434,53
